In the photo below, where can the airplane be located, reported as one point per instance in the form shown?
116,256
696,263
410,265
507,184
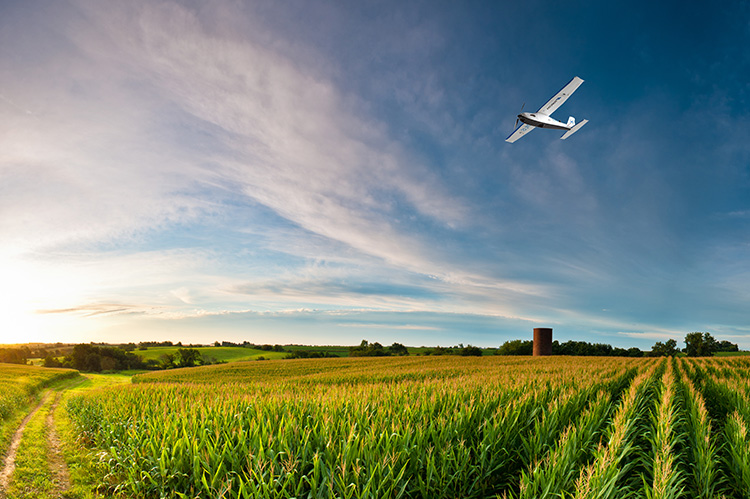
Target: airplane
542,118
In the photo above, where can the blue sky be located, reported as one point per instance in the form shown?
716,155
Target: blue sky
324,172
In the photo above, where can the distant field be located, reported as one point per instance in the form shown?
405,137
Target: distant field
224,354
731,354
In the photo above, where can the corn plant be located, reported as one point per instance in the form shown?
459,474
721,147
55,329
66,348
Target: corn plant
703,476
737,458
666,476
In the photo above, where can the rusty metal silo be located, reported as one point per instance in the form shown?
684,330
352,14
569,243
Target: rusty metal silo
542,341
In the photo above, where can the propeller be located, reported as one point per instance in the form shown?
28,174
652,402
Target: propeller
516,125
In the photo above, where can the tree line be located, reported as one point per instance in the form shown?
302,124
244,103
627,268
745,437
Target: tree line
696,345
367,349
97,358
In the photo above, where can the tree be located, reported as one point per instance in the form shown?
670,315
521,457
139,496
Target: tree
50,361
188,357
668,349
727,346
397,349
438,350
471,351
14,355
635,352
167,361
366,349
516,347
700,344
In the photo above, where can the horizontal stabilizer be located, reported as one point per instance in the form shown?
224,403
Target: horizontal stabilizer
574,129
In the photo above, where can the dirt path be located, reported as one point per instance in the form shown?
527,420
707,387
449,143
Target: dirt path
10,459
57,464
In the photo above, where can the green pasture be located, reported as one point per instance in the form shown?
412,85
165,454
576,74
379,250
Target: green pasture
221,354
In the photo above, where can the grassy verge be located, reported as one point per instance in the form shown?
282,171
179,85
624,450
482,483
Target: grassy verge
8,426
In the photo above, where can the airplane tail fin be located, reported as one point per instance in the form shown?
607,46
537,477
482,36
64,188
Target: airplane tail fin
571,122
574,129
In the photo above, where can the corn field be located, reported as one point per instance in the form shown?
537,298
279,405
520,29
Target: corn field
427,427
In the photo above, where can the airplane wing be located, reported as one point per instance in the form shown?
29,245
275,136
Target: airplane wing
558,100
519,132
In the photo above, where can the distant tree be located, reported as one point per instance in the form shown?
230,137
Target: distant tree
397,349
366,349
95,358
700,344
582,348
217,343
668,349
635,352
50,361
309,354
167,361
188,357
471,351
15,355
516,347
726,346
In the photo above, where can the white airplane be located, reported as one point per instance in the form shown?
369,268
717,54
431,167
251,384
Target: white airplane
542,118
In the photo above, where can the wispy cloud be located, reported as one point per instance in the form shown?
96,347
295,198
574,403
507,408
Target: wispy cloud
96,309
412,327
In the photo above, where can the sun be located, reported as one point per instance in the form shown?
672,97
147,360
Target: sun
27,290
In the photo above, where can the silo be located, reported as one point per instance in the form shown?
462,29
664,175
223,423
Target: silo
542,341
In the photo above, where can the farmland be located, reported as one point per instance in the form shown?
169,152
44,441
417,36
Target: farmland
427,427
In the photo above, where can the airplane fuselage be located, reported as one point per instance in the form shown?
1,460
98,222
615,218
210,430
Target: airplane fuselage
542,121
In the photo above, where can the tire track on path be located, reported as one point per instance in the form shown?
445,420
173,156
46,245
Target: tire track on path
10,459
57,463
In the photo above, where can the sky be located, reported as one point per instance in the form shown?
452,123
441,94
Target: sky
323,172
